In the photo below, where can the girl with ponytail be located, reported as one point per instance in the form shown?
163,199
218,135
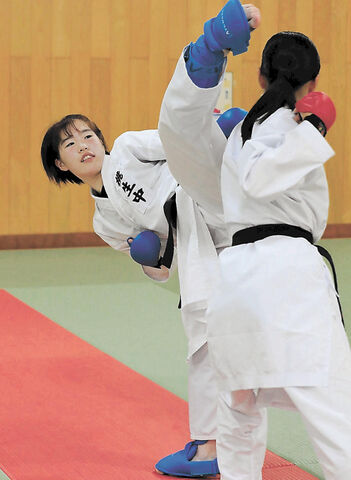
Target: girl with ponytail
275,333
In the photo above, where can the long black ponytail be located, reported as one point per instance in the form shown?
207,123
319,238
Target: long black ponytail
289,60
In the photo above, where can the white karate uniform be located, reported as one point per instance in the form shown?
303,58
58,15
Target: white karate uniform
273,320
136,163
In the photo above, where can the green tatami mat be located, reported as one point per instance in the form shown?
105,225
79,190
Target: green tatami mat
103,297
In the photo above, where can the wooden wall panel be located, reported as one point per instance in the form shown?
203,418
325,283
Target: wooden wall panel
21,19
138,94
5,31
345,165
41,26
19,166
337,89
237,66
321,21
112,60
254,52
304,14
287,14
60,197
177,28
40,111
158,60
5,146
60,24
120,69
40,115
100,34
5,104
100,84
81,85
270,23
81,18
195,16
139,18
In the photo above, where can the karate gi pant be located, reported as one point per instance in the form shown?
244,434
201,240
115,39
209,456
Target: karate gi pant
325,410
202,396
202,385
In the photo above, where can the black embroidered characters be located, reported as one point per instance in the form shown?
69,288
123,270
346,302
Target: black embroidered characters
128,188
119,178
139,196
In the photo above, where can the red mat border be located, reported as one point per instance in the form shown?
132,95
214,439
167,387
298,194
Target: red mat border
275,467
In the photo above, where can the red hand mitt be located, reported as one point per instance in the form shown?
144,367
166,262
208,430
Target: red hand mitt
319,104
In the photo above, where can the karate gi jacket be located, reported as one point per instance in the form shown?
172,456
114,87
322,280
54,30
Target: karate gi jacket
271,310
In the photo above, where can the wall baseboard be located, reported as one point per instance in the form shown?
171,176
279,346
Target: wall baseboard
90,239
338,230
51,240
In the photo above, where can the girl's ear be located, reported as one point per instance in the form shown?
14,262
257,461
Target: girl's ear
313,84
262,80
59,164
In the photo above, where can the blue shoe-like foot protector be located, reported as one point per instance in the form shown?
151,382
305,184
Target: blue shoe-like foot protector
179,464
229,30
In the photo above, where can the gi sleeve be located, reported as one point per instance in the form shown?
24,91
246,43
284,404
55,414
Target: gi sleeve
193,141
145,145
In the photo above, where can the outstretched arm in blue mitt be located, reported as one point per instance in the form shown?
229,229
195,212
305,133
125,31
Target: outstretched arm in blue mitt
145,250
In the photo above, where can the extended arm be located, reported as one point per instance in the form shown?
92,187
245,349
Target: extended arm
193,142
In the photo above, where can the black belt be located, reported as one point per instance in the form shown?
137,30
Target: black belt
170,211
259,232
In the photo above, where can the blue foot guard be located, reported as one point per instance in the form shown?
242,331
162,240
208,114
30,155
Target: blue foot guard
179,464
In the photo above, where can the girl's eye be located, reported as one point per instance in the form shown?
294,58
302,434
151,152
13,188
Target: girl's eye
68,144
89,135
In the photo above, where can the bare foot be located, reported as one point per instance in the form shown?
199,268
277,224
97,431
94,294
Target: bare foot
206,452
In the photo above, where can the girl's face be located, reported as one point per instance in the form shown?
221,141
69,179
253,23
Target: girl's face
81,152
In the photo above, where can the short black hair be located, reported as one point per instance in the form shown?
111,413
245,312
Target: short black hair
50,147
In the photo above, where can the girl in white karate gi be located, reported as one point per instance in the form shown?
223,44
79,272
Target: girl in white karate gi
274,326
130,186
